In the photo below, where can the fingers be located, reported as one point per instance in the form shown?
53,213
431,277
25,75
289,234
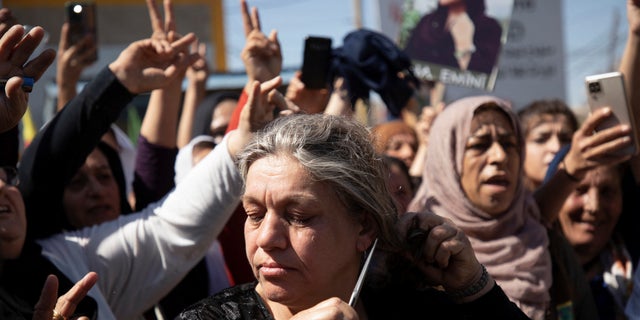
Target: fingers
269,85
183,43
154,17
45,305
594,119
286,106
596,146
37,66
169,20
443,242
246,19
438,239
26,46
64,38
9,41
332,308
7,20
255,19
274,42
67,303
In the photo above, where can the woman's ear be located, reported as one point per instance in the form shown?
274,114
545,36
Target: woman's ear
367,233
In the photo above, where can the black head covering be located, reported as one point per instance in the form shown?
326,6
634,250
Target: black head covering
204,112
368,61
118,174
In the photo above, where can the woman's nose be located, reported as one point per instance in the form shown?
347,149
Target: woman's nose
554,144
592,201
497,154
271,232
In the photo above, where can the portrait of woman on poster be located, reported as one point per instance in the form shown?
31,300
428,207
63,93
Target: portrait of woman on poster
458,34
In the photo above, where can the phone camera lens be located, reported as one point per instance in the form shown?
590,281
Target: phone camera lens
594,87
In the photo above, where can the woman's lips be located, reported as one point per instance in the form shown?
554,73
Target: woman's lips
272,269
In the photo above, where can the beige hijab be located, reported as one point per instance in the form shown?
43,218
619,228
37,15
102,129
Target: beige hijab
513,246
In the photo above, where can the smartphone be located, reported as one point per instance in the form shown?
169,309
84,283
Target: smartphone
316,62
81,16
607,89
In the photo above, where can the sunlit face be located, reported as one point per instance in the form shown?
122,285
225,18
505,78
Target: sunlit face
491,162
220,119
301,242
13,221
589,215
92,197
400,187
547,134
402,146
449,2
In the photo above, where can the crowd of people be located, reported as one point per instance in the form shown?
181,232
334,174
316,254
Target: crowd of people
278,203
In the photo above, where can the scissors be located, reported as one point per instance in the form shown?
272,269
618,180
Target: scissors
363,273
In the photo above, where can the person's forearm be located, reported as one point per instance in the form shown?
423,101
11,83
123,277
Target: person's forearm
630,68
66,92
551,195
192,98
419,162
160,123
62,146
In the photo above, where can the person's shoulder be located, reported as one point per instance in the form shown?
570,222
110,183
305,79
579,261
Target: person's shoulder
237,302
487,22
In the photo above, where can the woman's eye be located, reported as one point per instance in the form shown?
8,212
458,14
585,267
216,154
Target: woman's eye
255,218
77,183
540,140
509,144
298,219
104,177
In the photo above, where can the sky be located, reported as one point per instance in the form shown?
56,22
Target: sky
588,26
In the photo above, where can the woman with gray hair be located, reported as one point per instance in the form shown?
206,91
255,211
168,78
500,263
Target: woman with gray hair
317,208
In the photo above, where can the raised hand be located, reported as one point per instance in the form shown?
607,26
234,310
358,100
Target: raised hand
15,50
330,309
7,20
590,149
309,100
49,306
258,111
72,60
162,30
151,64
441,250
198,71
261,55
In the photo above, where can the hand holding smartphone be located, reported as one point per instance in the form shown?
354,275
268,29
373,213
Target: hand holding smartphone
81,16
316,62
607,90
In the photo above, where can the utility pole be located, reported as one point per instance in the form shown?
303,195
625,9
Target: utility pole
357,14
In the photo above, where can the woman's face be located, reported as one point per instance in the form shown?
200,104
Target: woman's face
92,196
220,119
13,221
491,162
400,187
450,2
547,134
302,243
589,215
402,146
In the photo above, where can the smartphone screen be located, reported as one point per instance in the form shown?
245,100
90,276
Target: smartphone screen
81,17
607,90
316,62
